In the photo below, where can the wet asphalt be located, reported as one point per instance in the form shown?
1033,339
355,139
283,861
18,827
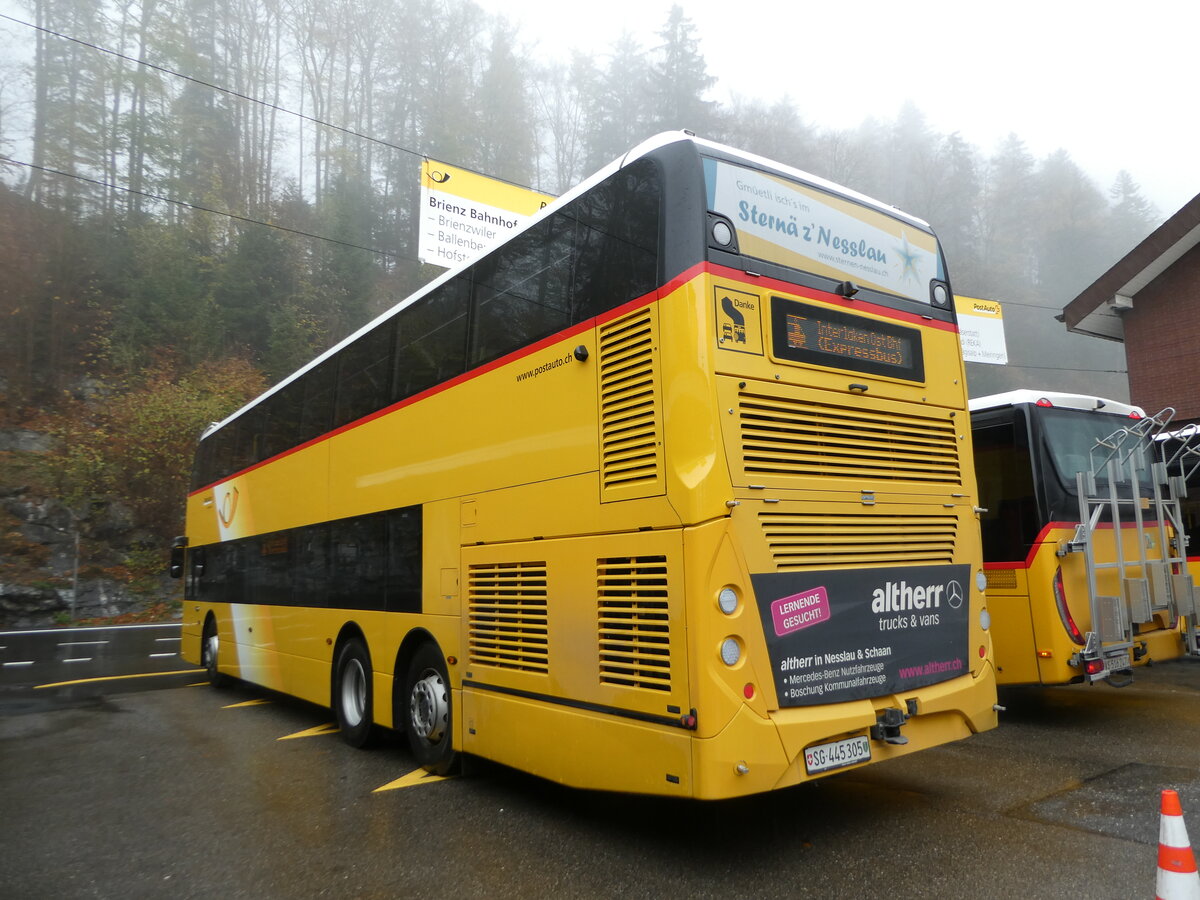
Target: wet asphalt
186,791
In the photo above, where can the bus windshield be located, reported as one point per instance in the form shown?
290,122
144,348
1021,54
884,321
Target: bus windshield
792,224
1070,436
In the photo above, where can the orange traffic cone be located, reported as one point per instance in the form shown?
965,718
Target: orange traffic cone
1177,876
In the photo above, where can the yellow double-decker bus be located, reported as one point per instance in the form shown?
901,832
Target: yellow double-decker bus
1083,537
670,493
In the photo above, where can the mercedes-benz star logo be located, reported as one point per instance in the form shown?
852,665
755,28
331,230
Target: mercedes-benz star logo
954,594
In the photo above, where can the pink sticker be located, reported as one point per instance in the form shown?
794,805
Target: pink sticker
800,611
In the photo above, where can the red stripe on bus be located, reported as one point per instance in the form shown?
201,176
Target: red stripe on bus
1041,539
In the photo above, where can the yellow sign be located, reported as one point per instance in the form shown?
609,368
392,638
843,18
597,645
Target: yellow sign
465,214
739,320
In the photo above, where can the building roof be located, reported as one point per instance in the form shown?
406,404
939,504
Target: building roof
1097,311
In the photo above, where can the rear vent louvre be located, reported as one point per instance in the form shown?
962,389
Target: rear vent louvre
829,540
631,463
634,622
508,616
789,437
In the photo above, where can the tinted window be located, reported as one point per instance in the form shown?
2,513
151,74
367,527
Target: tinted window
359,575
432,339
404,560
317,415
269,569
365,375
310,566
248,438
1004,471
617,240
284,409
522,291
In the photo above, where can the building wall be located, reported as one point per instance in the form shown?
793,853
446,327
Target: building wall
1162,341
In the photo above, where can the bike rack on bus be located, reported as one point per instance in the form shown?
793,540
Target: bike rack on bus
1185,461
1144,586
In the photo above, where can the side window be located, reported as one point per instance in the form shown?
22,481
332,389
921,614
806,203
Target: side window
203,472
248,438
310,566
432,339
617,240
359,575
365,375
283,412
522,291
404,560
1004,471
317,414
270,575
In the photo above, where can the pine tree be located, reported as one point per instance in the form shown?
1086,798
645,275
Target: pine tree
679,79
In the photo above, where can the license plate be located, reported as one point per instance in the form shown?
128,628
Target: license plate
836,754
1116,663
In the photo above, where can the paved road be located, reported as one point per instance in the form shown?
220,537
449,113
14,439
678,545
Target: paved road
193,792
73,654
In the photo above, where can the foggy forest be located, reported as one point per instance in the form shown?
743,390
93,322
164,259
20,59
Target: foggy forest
198,196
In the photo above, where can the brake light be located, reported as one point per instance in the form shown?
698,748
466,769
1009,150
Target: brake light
1093,666
1043,402
1064,612
1135,415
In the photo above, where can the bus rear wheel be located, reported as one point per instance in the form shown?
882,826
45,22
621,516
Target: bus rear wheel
352,694
426,711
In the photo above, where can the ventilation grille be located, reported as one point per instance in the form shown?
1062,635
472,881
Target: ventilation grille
507,610
634,626
782,436
631,445
829,540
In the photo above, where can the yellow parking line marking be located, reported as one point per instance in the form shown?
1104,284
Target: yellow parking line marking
327,728
259,702
420,776
113,678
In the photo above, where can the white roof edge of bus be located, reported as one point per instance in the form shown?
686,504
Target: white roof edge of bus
652,143
1059,399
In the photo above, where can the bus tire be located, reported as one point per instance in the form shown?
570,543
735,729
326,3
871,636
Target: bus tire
352,693
425,710
210,646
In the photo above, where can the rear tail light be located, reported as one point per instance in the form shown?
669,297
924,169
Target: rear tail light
1093,666
1064,612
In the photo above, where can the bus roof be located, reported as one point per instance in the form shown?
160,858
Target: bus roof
1055,399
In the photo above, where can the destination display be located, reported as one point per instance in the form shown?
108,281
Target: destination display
850,634
829,337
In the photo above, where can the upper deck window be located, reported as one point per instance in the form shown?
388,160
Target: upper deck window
792,224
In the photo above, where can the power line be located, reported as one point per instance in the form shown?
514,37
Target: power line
208,84
116,187
265,103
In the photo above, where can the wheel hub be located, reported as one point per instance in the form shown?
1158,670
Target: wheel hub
429,706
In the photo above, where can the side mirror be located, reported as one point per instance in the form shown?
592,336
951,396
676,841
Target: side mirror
177,549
